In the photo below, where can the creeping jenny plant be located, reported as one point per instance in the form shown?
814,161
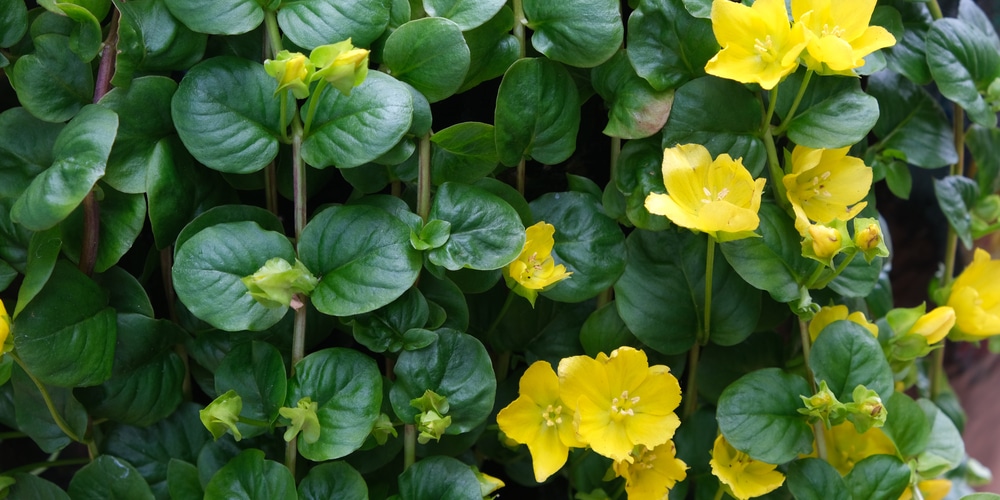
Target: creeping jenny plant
279,249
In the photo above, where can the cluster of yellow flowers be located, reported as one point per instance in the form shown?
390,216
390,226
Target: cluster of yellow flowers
340,64
616,404
760,45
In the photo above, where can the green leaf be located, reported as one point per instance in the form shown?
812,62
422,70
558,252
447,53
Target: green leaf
899,179
27,153
249,475
256,372
228,213
224,17
333,480
430,54
906,425
816,479
109,478
636,109
537,113
833,113
666,45
581,33
456,367
85,35
13,21
383,329
467,14
208,269
363,257
963,63
52,83
81,153
43,251
347,386
653,277
122,217
878,477
945,449
151,39
758,414
492,49
858,279
151,449
439,477
720,114
984,144
772,262
31,486
590,244
227,115
846,355
349,131
84,330
182,480
604,331
911,121
311,23
144,119
463,153
146,377
761,350
486,233
908,57
32,414
956,196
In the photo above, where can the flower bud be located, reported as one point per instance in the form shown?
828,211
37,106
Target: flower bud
304,420
341,64
222,414
935,325
826,241
431,425
431,401
293,72
274,284
867,410
824,406
383,429
868,238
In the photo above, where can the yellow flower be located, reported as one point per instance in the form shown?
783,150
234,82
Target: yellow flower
975,296
829,314
936,324
653,472
534,269
620,401
758,45
540,419
837,34
712,196
826,185
4,327
742,475
341,64
826,241
292,70
930,489
845,446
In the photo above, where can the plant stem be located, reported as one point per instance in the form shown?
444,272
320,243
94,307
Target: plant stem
254,422
271,187
691,391
935,9
299,334
775,171
12,435
521,176
166,264
298,178
56,417
39,467
795,103
503,312
519,22
273,34
806,346
314,103
706,329
291,454
719,492
409,445
424,178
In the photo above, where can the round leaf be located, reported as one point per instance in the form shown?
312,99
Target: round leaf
256,372
590,244
249,475
27,153
906,425
31,486
84,330
963,62
311,23
333,480
911,121
228,213
109,478
122,217
816,479
486,232
666,45
463,153
227,115
81,153
758,415
467,14
430,54
349,131
878,477
846,355
582,33
347,386
604,331
537,113
52,83
439,477
151,39
13,21
654,277
362,256
637,110
208,269
222,17
492,49
833,112
32,416
457,367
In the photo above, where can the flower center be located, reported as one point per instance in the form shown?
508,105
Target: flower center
552,416
622,406
836,31
764,48
819,185
721,195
